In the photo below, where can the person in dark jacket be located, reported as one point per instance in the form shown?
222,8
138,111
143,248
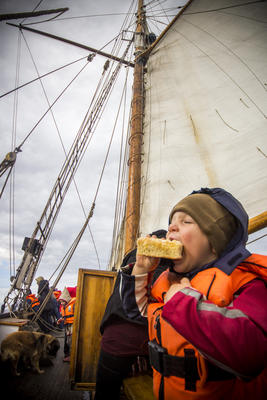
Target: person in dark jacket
47,314
124,341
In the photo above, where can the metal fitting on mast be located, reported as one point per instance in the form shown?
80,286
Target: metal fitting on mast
139,36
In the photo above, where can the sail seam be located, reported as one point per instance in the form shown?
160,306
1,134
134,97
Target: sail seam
226,73
233,129
230,50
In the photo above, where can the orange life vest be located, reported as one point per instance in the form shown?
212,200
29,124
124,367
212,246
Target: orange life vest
68,311
57,293
34,300
218,288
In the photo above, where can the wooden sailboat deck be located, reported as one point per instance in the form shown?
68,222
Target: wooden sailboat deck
52,385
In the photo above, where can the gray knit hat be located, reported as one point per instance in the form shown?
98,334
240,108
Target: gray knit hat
65,295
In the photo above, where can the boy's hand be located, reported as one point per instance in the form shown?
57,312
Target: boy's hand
175,288
145,264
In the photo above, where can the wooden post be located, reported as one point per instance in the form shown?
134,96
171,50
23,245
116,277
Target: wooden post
257,223
93,291
135,140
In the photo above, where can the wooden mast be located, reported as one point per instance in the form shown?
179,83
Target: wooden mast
136,139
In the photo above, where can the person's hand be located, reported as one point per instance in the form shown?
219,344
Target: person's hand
59,320
175,288
145,264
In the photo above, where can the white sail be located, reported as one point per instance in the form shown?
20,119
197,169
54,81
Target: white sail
206,108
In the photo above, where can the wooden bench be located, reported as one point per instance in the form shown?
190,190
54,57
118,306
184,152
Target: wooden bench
139,388
9,325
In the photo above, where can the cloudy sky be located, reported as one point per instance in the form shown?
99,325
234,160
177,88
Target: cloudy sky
42,156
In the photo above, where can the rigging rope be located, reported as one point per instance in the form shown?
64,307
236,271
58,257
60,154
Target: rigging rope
225,8
35,8
164,12
55,19
18,148
7,177
75,243
80,16
12,170
89,130
42,76
258,238
118,193
3,164
61,141
121,188
64,183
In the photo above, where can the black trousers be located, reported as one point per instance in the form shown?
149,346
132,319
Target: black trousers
111,371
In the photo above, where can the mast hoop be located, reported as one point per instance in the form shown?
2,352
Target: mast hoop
134,136
135,158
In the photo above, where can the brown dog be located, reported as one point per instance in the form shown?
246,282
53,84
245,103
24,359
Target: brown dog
29,347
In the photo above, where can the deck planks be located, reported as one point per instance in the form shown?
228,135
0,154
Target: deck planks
52,385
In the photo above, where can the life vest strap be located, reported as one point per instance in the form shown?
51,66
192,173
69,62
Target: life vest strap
182,367
68,316
190,370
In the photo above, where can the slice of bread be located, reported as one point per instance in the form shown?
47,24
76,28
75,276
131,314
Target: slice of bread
161,248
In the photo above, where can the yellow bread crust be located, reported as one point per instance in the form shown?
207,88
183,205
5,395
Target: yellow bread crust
161,248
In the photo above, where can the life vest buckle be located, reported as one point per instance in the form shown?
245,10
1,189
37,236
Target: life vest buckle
156,355
168,365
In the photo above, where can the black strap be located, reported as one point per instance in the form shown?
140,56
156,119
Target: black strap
156,352
157,327
167,365
182,367
190,368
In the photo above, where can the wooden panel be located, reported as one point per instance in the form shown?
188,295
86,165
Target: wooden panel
52,385
93,291
139,387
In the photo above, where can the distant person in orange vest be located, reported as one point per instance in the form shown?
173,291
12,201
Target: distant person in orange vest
67,312
72,290
32,302
57,293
